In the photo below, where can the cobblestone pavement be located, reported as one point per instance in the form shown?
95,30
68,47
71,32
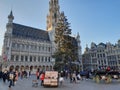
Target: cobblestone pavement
26,84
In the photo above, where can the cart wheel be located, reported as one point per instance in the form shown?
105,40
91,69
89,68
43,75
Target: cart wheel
97,79
109,79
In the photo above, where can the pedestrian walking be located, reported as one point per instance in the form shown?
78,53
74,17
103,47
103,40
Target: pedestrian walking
74,78
11,76
4,76
61,78
42,76
15,77
78,77
30,73
37,74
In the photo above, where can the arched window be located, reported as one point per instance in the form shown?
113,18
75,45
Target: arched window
49,49
42,59
22,58
45,59
34,59
39,48
26,58
30,58
43,48
49,59
12,58
17,57
39,59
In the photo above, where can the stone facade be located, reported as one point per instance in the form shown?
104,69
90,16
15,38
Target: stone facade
102,56
30,48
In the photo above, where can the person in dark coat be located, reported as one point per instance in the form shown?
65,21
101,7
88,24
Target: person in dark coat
11,77
14,78
1,74
4,76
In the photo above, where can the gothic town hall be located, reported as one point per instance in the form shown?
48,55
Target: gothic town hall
30,48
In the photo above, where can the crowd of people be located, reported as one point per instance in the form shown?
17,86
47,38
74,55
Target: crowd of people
75,76
63,75
40,75
12,76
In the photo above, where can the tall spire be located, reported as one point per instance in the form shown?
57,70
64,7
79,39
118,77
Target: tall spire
78,38
78,35
53,15
9,25
10,17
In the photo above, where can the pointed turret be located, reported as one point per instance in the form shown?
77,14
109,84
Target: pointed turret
10,17
86,49
9,25
79,50
78,38
79,42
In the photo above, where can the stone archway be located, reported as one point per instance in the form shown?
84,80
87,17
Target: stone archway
11,67
17,68
22,68
27,67
31,68
35,67
43,68
47,68
40,67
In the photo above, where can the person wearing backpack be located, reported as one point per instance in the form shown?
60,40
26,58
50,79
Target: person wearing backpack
11,76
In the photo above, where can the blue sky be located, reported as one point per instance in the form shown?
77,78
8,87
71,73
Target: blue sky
95,20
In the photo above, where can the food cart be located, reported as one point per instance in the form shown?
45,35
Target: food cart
51,78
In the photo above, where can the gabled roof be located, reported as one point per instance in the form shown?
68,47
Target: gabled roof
102,44
21,31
